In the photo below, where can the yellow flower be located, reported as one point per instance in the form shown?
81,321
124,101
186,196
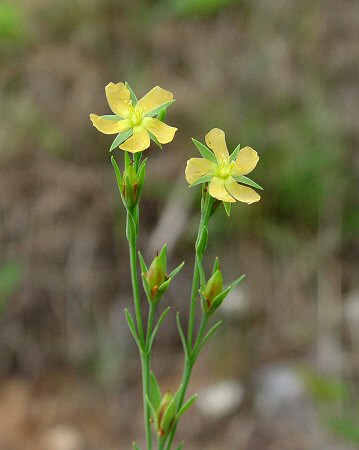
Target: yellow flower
222,171
133,119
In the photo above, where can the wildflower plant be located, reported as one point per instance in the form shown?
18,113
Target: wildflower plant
223,179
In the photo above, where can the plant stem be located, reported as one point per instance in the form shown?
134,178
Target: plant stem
151,318
205,215
145,357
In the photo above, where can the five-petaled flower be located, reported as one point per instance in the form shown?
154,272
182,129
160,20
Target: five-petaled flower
134,121
222,171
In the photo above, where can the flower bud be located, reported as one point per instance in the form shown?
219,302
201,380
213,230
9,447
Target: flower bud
213,288
130,187
166,414
156,275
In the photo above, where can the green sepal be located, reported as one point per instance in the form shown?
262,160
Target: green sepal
128,160
163,288
246,180
227,208
141,178
176,270
186,406
216,265
155,391
205,151
235,152
201,243
146,287
135,446
168,416
117,172
154,139
157,110
111,117
162,114
132,94
202,179
163,256
120,138
153,412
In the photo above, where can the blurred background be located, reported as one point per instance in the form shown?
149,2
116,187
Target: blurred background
281,76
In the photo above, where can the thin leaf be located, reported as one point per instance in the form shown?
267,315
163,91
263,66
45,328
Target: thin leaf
180,447
201,244
180,331
164,286
157,110
202,179
157,327
154,139
163,255
235,152
227,207
168,415
146,288
135,446
186,406
216,265
117,172
176,270
248,181
120,138
155,391
133,95
143,265
111,117
207,336
204,151
132,327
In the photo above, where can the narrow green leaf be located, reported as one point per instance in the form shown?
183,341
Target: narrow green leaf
236,282
248,181
154,139
204,151
201,244
120,138
207,337
227,207
132,327
176,270
155,391
181,333
143,265
157,110
135,446
157,327
112,117
133,96
186,406
117,172
202,179
146,288
162,114
180,447
235,152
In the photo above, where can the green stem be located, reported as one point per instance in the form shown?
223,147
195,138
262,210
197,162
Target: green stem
151,318
145,358
205,215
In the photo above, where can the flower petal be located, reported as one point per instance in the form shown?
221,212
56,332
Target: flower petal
139,141
216,141
244,194
246,161
163,132
118,97
196,168
217,190
154,98
108,126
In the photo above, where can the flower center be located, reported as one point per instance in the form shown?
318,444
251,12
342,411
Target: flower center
224,168
135,115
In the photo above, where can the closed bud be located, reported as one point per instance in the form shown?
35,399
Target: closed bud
130,187
214,287
166,414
